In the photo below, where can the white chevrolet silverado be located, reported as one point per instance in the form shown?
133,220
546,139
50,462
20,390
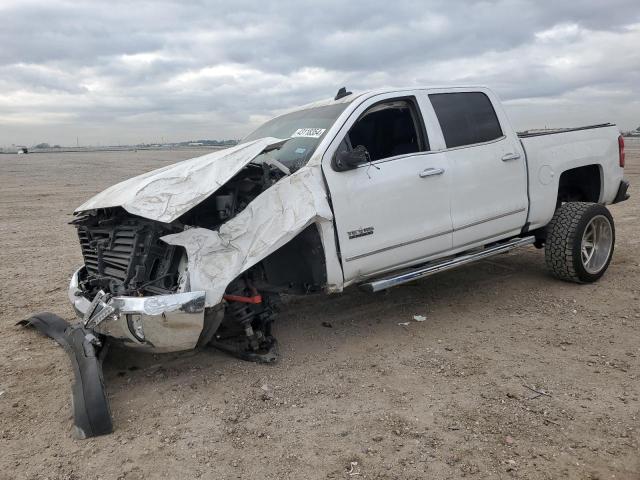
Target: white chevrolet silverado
375,189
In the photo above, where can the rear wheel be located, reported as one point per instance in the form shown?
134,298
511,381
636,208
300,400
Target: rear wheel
580,242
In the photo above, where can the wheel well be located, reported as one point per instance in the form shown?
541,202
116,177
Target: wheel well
581,184
298,267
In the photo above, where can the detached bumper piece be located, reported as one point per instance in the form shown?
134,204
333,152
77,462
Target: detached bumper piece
622,194
91,413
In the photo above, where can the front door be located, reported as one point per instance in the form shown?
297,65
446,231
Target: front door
393,210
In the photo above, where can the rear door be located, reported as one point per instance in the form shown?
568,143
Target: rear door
393,210
489,175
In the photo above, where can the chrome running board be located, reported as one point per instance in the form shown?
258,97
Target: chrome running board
441,266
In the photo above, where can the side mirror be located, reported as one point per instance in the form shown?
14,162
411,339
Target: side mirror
348,160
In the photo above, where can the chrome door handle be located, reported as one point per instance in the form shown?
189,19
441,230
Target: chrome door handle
429,172
510,156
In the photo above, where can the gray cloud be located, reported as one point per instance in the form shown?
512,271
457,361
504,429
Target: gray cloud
136,71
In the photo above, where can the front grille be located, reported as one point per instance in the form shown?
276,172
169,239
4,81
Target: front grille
108,252
124,255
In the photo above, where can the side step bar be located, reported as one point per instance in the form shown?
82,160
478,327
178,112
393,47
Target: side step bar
436,267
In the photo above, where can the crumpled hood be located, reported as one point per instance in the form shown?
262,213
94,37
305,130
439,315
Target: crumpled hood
167,193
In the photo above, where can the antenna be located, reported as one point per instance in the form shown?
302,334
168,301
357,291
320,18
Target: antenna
342,93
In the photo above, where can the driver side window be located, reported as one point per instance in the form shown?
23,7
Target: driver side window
388,129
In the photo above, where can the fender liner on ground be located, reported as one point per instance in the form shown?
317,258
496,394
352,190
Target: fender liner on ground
91,413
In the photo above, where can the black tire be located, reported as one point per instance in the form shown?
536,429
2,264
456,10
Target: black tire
563,247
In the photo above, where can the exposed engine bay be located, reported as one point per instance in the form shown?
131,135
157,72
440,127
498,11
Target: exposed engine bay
125,256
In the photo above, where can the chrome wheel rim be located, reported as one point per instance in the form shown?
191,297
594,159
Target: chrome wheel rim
596,244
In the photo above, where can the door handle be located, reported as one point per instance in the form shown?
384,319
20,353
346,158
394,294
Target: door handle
510,156
429,172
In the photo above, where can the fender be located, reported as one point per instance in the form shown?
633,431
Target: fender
270,221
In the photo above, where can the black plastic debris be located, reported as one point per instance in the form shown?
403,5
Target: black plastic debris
91,413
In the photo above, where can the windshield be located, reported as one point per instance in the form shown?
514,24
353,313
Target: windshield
304,129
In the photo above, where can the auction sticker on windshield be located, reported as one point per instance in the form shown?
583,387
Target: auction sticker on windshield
308,132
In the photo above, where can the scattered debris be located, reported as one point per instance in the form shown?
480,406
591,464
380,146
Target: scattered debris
267,392
539,392
352,470
404,324
509,440
419,318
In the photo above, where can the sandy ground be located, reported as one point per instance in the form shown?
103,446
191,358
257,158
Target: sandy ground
443,398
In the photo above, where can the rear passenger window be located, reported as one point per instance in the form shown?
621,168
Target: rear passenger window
466,118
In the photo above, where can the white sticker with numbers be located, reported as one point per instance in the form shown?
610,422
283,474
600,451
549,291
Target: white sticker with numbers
308,132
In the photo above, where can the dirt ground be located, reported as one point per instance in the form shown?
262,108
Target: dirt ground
443,398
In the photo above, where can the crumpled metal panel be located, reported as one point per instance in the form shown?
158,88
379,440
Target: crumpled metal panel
167,193
271,220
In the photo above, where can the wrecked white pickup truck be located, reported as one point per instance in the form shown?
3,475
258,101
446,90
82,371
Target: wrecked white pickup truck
376,189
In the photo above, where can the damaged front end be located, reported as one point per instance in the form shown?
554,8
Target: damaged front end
135,287
197,253
132,287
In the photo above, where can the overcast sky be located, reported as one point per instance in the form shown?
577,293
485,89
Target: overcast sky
126,72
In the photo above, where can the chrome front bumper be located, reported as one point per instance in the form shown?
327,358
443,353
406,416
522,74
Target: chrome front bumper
160,323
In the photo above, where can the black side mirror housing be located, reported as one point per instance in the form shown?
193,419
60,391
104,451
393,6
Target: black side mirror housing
348,160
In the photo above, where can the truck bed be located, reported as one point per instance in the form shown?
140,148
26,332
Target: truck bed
553,131
550,153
